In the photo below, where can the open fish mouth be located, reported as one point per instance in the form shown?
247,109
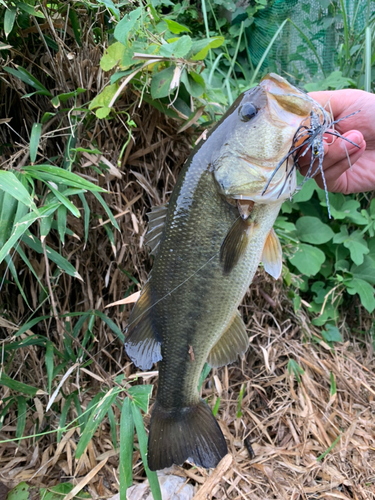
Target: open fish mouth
308,137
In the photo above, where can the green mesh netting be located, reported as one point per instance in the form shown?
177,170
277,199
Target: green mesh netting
321,22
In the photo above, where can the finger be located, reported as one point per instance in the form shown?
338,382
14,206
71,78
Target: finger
333,175
340,102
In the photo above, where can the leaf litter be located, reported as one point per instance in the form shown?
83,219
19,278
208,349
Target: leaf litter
292,439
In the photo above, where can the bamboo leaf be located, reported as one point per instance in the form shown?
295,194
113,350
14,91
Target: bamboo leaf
142,440
126,448
95,418
17,386
10,184
49,364
34,140
21,416
9,18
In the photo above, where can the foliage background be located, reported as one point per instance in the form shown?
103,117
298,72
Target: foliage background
101,103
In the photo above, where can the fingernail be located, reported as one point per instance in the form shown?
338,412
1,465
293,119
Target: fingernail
355,137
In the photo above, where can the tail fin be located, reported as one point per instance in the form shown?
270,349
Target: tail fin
190,433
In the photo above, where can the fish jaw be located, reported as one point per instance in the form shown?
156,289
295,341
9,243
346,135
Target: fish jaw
249,159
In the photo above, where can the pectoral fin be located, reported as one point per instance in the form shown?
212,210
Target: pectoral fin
235,243
234,342
272,255
141,342
156,225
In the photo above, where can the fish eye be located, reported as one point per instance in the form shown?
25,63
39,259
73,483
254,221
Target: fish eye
248,111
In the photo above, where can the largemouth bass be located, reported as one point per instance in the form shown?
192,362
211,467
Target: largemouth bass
208,242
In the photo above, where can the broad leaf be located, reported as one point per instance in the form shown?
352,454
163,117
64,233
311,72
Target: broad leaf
312,230
308,259
178,48
161,82
365,292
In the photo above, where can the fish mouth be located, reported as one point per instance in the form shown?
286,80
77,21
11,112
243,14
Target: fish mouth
264,185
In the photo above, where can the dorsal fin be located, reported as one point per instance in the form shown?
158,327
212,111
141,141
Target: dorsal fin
141,342
156,225
272,257
234,342
235,243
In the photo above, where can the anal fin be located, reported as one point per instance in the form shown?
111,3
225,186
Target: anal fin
233,342
141,342
156,225
272,257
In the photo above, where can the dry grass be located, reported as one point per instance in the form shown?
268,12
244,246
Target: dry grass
289,424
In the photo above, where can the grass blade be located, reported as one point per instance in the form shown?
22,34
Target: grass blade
95,420
107,210
34,140
142,440
60,176
126,448
21,416
17,386
49,364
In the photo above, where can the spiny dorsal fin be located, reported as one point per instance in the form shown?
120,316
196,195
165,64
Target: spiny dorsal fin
141,342
272,257
235,243
234,342
156,225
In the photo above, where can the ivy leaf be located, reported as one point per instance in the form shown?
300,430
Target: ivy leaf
365,292
313,230
178,48
306,191
308,259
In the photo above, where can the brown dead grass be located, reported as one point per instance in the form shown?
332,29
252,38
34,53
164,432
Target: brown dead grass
289,424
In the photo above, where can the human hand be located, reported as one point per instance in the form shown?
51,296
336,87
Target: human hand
360,129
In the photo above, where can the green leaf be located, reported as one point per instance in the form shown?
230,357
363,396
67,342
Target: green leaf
10,184
63,416
29,10
193,82
206,370
112,423
107,210
126,448
17,386
201,47
21,416
365,271
21,227
66,96
57,258
103,112
95,419
294,367
161,82
354,242
34,140
312,230
9,18
59,491
104,98
331,334
141,395
65,201
28,78
116,330
365,292
49,363
178,48
307,259
127,24
306,192
112,56
142,440
23,492
61,176
14,273
350,209
175,27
